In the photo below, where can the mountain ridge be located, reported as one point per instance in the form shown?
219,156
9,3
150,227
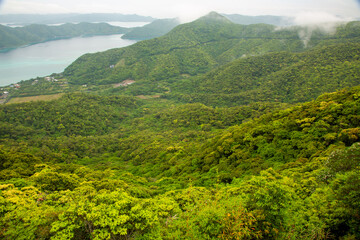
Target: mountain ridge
157,28
71,18
35,33
211,44
213,17
185,36
267,19
277,77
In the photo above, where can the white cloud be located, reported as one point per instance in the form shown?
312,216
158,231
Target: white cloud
317,21
311,18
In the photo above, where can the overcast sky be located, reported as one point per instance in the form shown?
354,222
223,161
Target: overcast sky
187,8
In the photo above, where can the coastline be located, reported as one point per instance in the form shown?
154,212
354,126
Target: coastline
52,56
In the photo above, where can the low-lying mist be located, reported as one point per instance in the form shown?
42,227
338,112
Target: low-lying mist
310,22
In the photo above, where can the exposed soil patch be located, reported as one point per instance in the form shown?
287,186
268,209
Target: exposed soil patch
148,96
123,83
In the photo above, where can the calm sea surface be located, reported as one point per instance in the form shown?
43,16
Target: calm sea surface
42,59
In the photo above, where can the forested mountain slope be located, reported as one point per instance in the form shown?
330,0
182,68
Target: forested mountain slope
267,19
176,174
198,47
154,29
275,77
73,114
35,33
191,48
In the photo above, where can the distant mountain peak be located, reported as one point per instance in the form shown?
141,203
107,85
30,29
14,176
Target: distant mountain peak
214,17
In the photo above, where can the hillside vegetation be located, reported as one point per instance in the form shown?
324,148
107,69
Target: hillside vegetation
275,77
35,33
271,177
197,47
154,29
267,19
228,132
191,48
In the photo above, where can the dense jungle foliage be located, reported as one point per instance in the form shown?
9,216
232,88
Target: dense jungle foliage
258,147
275,77
86,167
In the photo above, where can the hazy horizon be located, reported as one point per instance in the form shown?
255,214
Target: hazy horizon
188,10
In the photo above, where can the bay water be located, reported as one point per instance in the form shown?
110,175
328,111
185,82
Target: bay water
43,59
